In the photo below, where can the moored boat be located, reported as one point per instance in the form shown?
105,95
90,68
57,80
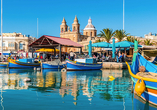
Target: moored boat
51,66
22,63
55,64
4,64
143,70
76,65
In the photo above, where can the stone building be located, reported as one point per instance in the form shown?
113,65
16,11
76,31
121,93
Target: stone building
151,36
14,42
89,33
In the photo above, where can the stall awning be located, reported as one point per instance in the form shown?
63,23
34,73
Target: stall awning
46,41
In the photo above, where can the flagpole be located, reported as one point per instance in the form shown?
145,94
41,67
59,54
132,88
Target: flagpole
37,28
1,33
123,15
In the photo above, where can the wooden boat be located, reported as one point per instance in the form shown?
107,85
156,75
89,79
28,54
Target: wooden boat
56,64
3,64
23,63
148,75
75,65
51,66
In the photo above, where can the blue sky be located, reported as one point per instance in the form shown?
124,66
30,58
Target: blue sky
21,15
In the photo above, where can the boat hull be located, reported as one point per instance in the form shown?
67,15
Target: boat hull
49,66
17,64
150,93
73,65
3,65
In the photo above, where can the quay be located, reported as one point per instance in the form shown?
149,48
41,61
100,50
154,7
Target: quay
114,65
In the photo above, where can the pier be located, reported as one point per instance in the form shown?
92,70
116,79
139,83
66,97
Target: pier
114,65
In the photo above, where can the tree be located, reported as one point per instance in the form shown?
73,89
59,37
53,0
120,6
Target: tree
106,34
148,42
138,40
99,40
130,39
120,34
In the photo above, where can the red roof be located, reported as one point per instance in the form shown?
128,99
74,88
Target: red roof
46,40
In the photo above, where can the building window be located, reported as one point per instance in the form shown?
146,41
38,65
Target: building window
95,34
12,44
74,28
62,29
91,34
86,33
21,46
3,44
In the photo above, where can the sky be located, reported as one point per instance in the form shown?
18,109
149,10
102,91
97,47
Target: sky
21,15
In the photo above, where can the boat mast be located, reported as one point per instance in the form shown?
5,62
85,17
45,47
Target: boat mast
1,34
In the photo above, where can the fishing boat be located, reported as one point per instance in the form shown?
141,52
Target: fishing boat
144,75
82,64
3,64
56,64
22,63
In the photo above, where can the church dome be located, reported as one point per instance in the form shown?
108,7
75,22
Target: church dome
90,26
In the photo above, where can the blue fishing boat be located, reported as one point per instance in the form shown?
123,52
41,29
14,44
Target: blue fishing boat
76,65
22,63
51,66
55,64
144,75
3,64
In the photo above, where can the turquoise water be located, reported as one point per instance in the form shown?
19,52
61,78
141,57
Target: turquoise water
75,90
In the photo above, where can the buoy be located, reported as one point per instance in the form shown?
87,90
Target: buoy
63,70
140,87
111,78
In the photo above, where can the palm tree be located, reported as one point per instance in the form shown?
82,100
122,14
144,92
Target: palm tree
107,34
138,40
99,40
120,34
148,42
130,39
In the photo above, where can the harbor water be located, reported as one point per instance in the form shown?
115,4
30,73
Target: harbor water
24,89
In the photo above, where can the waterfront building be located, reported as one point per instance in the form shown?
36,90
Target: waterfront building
14,42
89,33
151,36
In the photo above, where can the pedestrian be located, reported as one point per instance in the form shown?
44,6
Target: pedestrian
116,53
72,54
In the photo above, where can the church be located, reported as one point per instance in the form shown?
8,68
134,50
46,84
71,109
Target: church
89,33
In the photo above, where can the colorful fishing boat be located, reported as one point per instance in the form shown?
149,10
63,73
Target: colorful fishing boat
22,63
143,70
51,66
4,64
55,64
76,65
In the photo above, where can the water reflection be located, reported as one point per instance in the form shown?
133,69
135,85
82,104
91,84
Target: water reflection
72,83
90,83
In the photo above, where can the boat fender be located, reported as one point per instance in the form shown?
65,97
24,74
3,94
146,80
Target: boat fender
63,70
111,78
140,87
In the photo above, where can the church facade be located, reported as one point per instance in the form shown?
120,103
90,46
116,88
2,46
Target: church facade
89,33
